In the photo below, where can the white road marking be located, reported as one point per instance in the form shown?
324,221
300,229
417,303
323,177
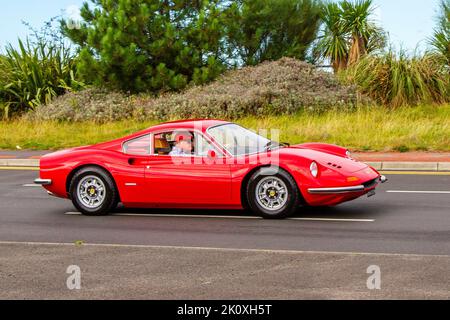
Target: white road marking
422,192
223,217
333,220
30,185
112,245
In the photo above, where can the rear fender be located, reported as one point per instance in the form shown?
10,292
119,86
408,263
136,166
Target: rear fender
59,166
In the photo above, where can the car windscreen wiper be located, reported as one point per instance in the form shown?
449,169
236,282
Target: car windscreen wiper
272,144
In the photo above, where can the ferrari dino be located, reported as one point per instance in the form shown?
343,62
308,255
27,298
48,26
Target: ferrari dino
208,164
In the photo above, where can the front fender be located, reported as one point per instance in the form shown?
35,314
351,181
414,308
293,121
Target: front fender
324,147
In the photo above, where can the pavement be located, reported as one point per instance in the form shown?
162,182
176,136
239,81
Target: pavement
114,272
322,253
410,161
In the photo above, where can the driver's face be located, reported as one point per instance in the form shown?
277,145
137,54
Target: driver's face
185,145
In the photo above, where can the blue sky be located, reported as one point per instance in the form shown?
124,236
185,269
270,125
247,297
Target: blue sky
409,22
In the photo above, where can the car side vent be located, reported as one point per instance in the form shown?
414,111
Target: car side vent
334,165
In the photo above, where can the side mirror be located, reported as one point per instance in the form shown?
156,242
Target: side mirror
212,154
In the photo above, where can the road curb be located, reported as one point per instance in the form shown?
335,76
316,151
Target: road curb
381,166
19,163
411,166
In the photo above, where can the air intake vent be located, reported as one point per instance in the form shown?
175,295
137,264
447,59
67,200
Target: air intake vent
334,165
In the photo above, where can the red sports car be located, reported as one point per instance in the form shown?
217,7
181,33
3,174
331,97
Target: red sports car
205,164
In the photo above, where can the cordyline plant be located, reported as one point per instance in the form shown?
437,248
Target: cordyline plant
348,33
441,37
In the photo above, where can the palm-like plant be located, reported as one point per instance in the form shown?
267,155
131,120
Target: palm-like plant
348,32
358,23
441,37
333,43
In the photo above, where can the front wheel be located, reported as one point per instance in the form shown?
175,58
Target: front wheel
272,194
93,192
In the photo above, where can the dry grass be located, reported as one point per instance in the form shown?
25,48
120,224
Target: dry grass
424,128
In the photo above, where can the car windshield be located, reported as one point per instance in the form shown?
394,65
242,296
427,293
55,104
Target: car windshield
240,141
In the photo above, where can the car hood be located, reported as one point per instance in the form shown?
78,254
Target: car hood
334,162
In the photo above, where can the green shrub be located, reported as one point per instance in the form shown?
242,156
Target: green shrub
286,86
397,79
33,75
145,46
261,30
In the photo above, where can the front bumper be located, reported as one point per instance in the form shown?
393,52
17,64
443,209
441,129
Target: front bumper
43,182
341,190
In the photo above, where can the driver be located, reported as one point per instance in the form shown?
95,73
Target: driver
183,144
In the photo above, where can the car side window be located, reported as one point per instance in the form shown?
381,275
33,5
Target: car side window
163,143
138,146
202,146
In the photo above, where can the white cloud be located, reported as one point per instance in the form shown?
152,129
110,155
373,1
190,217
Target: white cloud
73,12
73,17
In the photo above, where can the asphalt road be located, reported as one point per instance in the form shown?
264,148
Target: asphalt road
414,223
321,253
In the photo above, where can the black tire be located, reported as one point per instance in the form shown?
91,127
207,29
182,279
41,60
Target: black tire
111,196
293,195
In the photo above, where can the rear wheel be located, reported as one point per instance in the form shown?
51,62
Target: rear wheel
93,192
272,193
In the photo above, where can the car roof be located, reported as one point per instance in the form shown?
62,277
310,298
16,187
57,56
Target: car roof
200,124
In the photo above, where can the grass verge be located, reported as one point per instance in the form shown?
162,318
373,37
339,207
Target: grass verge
424,128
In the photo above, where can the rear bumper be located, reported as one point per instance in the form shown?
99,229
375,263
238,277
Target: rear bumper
43,182
341,190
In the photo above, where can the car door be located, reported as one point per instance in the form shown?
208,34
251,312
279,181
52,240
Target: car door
188,180
130,174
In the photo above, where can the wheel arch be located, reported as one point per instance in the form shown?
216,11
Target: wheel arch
81,167
249,174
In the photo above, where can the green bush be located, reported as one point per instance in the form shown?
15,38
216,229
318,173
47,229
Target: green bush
261,30
33,75
159,46
286,86
398,79
144,46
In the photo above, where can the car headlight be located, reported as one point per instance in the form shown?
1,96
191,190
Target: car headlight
314,168
348,153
